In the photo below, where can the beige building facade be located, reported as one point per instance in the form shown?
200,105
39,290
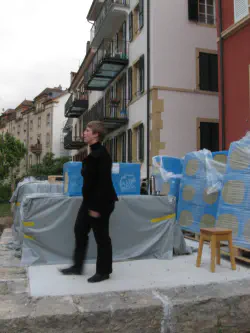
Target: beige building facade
38,124
151,74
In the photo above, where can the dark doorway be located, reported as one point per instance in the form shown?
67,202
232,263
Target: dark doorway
209,136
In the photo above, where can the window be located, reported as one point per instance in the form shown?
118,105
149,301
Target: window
141,14
140,142
240,9
130,86
208,72
75,131
47,139
38,159
207,134
124,147
141,75
30,160
202,11
48,119
113,149
130,156
31,125
130,24
25,127
207,11
39,122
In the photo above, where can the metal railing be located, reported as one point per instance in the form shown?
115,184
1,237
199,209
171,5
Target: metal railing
109,49
105,110
72,142
105,8
36,149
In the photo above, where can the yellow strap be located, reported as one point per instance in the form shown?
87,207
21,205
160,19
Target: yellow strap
29,237
29,224
18,204
163,218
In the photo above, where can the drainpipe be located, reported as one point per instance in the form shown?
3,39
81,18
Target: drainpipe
148,89
222,103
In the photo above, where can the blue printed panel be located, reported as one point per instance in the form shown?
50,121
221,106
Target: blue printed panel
236,191
239,157
196,191
73,180
194,165
192,217
126,178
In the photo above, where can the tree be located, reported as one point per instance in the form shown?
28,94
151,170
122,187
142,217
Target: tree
49,166
12,151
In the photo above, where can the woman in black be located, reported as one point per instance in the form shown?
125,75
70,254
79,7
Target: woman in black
99,199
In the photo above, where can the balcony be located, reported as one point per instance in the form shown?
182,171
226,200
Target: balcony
114,114
109,60
110,19
36,149
75,107
72,142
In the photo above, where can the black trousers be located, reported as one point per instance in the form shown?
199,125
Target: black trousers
100,226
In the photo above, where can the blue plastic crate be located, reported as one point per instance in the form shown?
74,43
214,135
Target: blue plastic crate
73,180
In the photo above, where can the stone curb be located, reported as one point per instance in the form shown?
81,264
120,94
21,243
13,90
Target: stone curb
214,308
205,309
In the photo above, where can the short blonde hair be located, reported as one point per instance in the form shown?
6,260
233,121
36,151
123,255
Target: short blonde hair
97,127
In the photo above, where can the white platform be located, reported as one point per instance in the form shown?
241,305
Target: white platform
134,275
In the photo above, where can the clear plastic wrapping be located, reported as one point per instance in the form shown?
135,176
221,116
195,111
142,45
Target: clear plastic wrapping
167,172
234,205
200,189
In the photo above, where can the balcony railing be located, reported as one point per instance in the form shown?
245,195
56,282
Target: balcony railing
72,142
109,60
108,8
36,149
113,115
74,107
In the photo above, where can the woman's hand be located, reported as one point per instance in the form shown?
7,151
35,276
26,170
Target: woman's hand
94,214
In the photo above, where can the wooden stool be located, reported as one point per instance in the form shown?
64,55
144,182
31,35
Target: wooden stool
215,236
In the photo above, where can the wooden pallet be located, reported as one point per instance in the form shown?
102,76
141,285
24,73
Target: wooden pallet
240,253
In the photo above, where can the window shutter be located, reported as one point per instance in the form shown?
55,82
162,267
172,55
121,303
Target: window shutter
240,9
204,71
130,87
213,72
142,71
141,142
193,10
141,14
129,145
124,148
130,22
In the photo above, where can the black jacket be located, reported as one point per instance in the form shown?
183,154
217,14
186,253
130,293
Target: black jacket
98,190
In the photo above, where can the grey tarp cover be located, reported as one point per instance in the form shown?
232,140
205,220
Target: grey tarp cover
140,227
24,189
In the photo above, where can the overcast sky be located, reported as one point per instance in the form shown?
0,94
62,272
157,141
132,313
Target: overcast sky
41,42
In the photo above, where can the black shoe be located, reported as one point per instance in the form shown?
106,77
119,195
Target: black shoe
98,278
71,271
